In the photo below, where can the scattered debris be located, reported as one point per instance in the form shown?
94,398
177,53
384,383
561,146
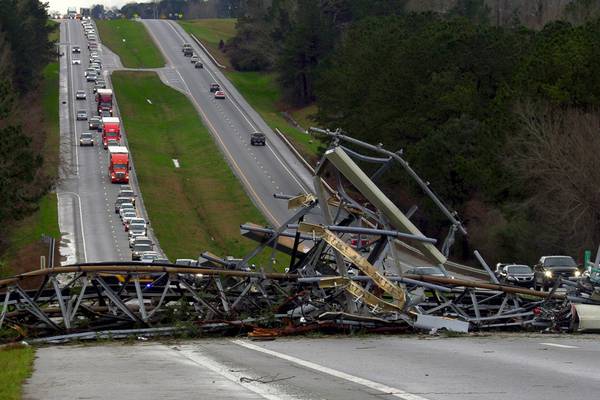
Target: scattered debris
349,257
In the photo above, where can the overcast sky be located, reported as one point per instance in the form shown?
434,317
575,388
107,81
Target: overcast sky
62,5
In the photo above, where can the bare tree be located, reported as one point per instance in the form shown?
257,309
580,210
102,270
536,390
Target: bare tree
558,156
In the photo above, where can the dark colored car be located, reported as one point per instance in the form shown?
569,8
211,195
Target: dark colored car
76,49
516,274
95,123
257,139
214,87
550,268
198,64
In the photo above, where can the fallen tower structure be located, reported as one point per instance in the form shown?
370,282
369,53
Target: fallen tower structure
349,251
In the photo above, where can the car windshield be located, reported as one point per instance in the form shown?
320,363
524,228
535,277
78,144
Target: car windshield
137,227
86,135
559,262
518,269
142,247
120,166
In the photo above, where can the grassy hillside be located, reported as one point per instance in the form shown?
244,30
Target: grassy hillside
260,89
131,41
198,206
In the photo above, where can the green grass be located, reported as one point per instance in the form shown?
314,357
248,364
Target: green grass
260,89
198,206
16,364
138,50
43,221
263,94
210,32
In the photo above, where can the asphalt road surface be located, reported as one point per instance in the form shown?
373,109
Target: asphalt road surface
543,367
263,170
91,230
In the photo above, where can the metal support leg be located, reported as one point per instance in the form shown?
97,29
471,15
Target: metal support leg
222,294
116,300
5,305
77,299
61,303
35,310
140,298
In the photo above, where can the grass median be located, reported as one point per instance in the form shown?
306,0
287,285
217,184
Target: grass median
16,365
260,89
198,206
131,42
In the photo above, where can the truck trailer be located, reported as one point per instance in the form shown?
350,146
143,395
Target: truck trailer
111,129
118,164
104,100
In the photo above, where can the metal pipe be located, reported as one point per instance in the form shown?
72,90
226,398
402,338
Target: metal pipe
371,231
272,232
362,157
424,186
486,267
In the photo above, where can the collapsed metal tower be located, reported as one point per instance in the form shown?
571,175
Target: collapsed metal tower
349,249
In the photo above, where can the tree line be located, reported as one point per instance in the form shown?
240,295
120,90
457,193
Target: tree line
475,107
25,49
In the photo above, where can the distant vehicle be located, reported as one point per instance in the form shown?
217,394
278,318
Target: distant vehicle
160,260
125,208
516,274
140,250
194,59
136,229
86,139
76,49
111,128
136,220
148,257
94,123
198,65
120,201
550,268
128,194
257,139
187,50
430,271
80,95
76,61
81,115
118,164
127,215
104,114
125,187
104,100
112,142
214,87
140,240
219,94
92,76
89,71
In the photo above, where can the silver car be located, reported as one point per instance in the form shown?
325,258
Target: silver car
80,95
140,250
86,139
81,115
133,240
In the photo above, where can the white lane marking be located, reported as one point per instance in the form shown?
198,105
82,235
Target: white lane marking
391,391
562,346
247,120
264,390
80,223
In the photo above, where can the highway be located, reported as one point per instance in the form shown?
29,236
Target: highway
536,367
91,230
262,170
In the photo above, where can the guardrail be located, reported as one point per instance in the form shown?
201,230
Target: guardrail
199,43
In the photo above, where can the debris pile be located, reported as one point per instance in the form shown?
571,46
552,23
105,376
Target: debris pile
352,258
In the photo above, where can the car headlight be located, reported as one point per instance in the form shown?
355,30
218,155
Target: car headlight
577,274
548,274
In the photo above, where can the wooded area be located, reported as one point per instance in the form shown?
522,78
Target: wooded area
25,49
473,105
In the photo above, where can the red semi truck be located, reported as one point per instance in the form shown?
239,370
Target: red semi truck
111,129
118,164
104,100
